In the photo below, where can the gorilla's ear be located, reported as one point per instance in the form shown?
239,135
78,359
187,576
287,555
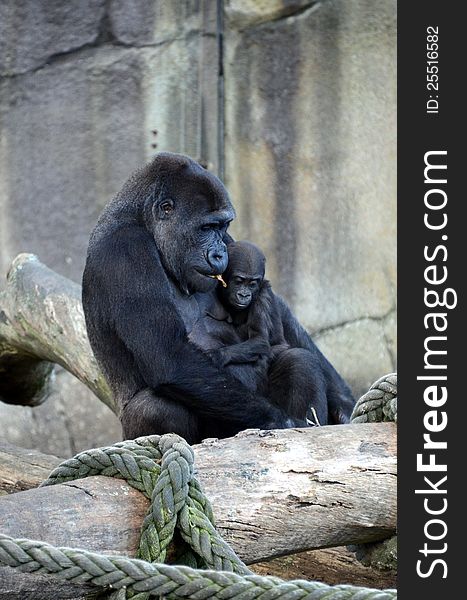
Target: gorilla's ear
163,208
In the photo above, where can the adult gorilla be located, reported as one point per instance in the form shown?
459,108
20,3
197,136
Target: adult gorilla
148,279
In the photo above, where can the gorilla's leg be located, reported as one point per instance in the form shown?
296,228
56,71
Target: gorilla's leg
248,374
148,414
296,383
340,404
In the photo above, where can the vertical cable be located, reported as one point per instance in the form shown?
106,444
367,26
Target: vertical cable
220,90
200,154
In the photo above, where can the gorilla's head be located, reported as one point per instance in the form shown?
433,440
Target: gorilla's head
244,275
187,210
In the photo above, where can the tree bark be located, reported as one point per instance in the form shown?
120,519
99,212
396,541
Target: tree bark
330,565
42,323
22,469
273,493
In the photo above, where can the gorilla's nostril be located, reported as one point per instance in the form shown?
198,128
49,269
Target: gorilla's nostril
218,260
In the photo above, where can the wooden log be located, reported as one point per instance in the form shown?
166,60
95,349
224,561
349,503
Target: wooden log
22,469
330,565
42,323
273,493
284,491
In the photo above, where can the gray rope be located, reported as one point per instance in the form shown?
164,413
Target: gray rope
379,403
141,577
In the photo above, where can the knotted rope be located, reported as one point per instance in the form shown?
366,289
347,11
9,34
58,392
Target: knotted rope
161,467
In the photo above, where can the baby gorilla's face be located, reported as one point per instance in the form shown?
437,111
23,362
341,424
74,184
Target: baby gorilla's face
244,275
241,291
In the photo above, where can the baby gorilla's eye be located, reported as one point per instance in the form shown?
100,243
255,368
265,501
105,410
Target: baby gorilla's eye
167,206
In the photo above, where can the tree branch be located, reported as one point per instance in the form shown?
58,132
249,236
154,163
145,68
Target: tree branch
42,323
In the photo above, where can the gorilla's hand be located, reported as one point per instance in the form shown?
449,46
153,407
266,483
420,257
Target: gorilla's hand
294,422
284,421
243,353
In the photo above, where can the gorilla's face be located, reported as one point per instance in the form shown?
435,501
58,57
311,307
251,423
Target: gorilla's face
244,275
242,289
189,215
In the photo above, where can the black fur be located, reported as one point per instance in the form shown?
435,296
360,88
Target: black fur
146,286
300,379
152,250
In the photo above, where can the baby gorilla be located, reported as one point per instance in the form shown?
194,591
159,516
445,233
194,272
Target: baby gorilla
254,314
249,299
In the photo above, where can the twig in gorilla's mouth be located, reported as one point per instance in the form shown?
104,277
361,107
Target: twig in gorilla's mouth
219,278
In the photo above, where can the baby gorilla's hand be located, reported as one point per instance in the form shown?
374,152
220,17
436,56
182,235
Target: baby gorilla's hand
245,352
259,348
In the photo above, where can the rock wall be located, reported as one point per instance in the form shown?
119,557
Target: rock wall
298,115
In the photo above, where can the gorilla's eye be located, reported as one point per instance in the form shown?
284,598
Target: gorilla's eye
215,226
211,227
167,206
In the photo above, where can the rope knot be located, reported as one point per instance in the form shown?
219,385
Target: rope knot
379,403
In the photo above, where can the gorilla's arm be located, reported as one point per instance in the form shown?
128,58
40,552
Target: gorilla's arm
340,398
144,316
174,367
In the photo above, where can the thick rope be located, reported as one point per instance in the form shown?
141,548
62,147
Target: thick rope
379,403
161,467
80,566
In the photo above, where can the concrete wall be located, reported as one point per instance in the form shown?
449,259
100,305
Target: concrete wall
309,152
310,161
